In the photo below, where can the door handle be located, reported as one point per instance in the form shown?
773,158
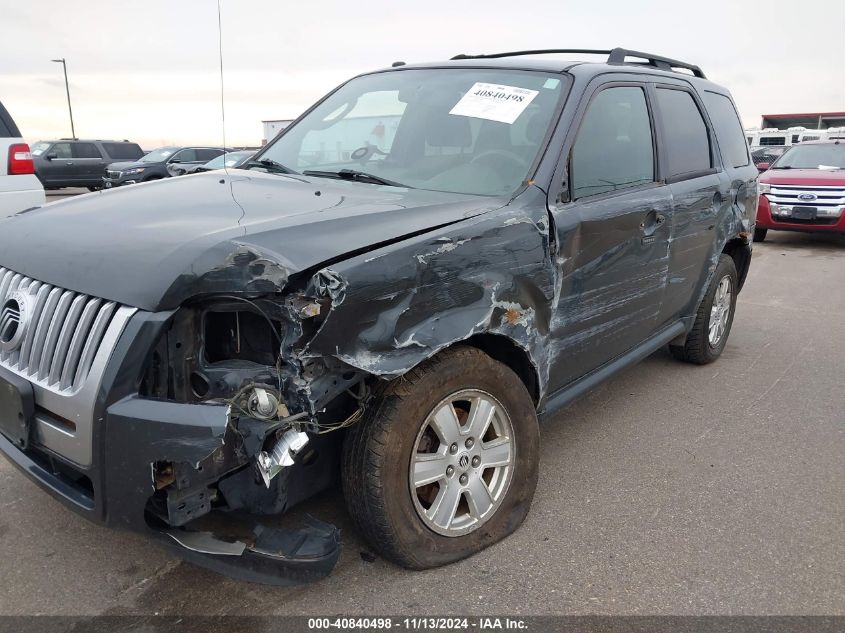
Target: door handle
652,222
649,226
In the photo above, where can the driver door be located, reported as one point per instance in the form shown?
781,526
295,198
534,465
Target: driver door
612,225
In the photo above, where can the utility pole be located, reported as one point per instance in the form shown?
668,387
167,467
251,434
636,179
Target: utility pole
67,89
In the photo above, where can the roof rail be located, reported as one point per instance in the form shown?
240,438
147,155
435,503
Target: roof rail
618,55
615,56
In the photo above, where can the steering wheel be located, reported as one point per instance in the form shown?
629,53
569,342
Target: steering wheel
363,154
498,153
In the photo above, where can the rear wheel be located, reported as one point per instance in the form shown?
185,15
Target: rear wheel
714,318
445,463
760,234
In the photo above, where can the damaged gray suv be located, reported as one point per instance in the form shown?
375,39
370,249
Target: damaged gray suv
391,293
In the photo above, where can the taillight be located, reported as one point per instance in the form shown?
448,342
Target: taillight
20,160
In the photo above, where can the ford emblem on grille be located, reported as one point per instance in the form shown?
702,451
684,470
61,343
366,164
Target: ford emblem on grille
807,197
14,319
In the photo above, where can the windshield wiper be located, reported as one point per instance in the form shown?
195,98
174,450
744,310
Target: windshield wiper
782,167
269,164
352,174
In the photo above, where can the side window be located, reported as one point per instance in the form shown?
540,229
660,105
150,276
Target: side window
728,129
85,150
208,154
123,150
61,150
614,148
687,143
185,156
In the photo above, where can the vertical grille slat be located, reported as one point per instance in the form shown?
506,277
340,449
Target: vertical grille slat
64,332
41,330
65,336
98,330
26,348
31,287
80,336
53,331
5,278
14,284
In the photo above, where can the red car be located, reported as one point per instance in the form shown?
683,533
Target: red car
803,190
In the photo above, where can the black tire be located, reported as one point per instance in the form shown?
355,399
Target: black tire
377,458
151,178
698,349
760,234
93,189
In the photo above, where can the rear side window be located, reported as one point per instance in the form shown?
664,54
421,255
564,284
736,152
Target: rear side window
772,140
8,129
728,129
123,150
185,156
687,143
614,148
208,154
85,150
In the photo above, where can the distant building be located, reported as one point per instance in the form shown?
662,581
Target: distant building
808,120
271,128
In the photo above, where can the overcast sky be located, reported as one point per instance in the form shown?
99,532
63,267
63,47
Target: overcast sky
149,71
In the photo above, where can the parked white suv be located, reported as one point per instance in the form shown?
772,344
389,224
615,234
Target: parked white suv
19,187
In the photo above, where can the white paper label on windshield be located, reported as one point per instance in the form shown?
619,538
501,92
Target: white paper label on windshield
494,102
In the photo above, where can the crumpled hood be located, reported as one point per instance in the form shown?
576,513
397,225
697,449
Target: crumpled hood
155,245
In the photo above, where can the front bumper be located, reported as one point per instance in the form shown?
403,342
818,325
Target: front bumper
782,218
130,435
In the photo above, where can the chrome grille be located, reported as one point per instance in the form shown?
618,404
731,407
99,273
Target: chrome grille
110,173
65,330
828,196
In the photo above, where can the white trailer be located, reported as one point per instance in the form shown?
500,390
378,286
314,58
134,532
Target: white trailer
272,128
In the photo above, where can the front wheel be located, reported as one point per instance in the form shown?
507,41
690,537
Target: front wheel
446,461
714,318
760,234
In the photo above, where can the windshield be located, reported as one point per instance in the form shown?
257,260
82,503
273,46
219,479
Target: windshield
158,155
227,160
821,156
457,130
39,148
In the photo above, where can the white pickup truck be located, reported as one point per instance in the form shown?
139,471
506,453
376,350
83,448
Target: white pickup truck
19,187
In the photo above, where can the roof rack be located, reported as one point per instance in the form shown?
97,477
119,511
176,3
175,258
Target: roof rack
614,56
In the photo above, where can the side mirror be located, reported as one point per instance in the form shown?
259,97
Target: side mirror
175,161
763,166
51,156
